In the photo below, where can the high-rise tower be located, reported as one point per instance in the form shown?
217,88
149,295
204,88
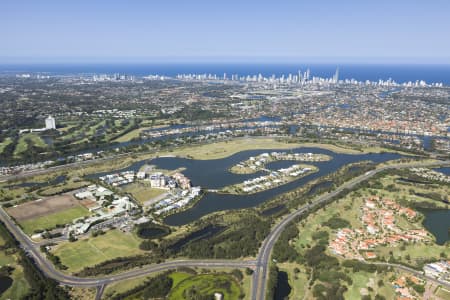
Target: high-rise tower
336,76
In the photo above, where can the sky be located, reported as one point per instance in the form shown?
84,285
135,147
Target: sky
412,31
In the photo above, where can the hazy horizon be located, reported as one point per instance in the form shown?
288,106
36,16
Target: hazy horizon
103,31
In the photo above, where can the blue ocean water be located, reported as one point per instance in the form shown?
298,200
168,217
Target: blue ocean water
361,72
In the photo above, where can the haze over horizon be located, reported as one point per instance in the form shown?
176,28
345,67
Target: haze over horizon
204,31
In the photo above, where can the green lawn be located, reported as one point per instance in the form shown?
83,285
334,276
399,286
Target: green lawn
6,259
443,293
91,251
207,284
125,285
298,282
19,287
178,277
5,143
22,145
417,252
364,280
51,220
225,149
131,135
70,184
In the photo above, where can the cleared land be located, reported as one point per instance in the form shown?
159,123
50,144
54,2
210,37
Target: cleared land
39,208
92,251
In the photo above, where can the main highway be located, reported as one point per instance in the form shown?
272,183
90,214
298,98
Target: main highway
260,265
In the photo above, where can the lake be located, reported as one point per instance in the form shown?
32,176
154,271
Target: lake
215,174
444,170
5,283
437,221
283,289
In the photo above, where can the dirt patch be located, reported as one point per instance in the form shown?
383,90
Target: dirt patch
88,203
39,208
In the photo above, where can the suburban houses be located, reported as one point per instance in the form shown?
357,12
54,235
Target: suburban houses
378,216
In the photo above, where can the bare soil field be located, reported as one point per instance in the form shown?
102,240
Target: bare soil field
39,208
88,203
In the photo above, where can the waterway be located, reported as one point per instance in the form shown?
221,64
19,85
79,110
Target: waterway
152,232
444,170
437,221
59,179
201,234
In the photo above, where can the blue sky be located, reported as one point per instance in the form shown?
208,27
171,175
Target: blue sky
174,30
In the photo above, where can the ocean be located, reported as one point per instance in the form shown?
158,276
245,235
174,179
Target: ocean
361,72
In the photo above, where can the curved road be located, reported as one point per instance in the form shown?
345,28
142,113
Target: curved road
32,249
260,264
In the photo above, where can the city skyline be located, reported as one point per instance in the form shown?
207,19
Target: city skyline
199,31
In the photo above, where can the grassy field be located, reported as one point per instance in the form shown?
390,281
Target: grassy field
20,286
78,293
5,143
177,277
416,252
51,220
125,285
131,135
406,190
368,283
69,184
443,293
91,251
225,149
143,193
298,282
22,145
207,284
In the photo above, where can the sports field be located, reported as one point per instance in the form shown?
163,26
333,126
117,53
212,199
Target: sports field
94,250
51,220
